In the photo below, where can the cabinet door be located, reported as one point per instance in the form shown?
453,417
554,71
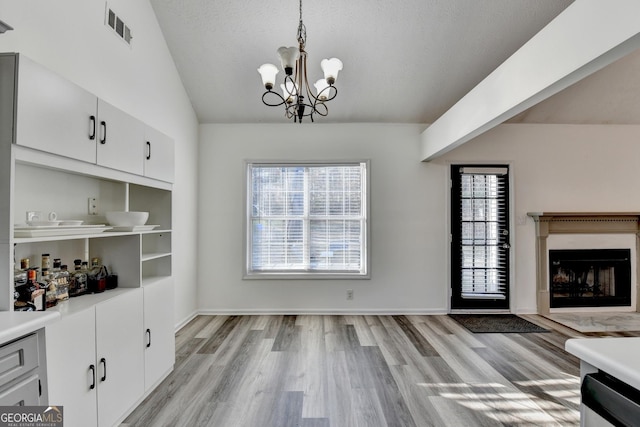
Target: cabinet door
159,355
71,354
53,114
119,139
159,155
119,339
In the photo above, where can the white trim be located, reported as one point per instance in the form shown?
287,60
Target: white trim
511,221
327,312
481,311
365,271
39,158
186,320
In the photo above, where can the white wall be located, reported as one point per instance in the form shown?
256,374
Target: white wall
556,168
70,38
409,257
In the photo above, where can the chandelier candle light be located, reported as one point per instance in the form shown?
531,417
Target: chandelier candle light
297,97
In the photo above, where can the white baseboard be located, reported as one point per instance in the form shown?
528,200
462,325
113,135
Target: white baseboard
342,312
526,310
186,320
479,311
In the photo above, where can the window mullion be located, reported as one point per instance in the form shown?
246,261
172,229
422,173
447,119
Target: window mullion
306,224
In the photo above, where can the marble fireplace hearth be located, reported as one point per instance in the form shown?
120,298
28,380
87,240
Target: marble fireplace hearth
620,225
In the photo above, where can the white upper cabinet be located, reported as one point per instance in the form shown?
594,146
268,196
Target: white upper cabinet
119,136
158,155
56,116
53,114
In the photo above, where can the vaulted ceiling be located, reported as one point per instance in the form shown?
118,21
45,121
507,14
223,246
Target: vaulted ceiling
405,61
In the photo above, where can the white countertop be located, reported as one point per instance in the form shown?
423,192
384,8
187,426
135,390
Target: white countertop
619,357
16,324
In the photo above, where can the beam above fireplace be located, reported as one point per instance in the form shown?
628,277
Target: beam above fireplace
575,223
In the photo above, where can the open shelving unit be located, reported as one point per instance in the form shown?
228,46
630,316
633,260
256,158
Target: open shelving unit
138,258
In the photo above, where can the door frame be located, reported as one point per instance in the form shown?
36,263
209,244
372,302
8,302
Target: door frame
511,221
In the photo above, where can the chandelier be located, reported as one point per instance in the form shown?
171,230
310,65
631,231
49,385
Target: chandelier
298,99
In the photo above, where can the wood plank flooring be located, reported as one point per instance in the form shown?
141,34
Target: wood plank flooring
369,371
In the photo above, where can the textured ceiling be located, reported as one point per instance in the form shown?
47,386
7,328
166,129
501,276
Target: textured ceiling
405,61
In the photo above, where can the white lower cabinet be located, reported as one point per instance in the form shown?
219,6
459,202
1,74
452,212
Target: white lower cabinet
159,350
23,371
120,369
96,362
71,365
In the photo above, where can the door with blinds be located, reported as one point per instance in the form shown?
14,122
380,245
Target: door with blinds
480,237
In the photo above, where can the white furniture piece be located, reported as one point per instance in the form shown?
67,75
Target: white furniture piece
615,361
158,155
108,350
159,344
97,382
59,117
116,135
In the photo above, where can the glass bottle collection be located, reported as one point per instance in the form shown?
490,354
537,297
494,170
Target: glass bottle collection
38,290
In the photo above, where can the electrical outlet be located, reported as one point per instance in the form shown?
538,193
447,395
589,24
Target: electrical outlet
349,294
93,206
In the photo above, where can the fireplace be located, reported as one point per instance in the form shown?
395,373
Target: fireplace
590,277
574,279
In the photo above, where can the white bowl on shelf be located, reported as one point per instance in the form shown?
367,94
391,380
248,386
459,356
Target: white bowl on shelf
126,219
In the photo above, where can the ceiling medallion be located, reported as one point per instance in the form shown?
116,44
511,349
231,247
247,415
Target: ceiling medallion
297,97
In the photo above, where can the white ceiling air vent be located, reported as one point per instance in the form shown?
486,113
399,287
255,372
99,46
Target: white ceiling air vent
116,23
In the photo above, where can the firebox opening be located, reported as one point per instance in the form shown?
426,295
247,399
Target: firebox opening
590,277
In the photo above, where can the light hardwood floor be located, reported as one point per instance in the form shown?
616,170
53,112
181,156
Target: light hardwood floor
332,371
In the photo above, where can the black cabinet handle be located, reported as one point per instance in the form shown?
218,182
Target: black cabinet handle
104,367
92,368
149,338
104,132
148,150
92,127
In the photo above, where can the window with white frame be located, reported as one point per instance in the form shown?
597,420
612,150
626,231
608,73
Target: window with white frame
307,219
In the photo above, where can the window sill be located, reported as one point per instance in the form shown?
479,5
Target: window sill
305,276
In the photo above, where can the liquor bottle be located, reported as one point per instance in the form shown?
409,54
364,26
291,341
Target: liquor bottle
49,283
62,280
85,270
64,283
46,263
31,292
79,279
97,276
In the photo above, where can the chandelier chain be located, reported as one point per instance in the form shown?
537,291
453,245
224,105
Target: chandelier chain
302,30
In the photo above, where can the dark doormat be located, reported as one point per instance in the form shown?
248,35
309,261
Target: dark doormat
496,323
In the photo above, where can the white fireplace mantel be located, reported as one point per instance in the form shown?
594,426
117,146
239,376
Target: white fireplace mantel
548,223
